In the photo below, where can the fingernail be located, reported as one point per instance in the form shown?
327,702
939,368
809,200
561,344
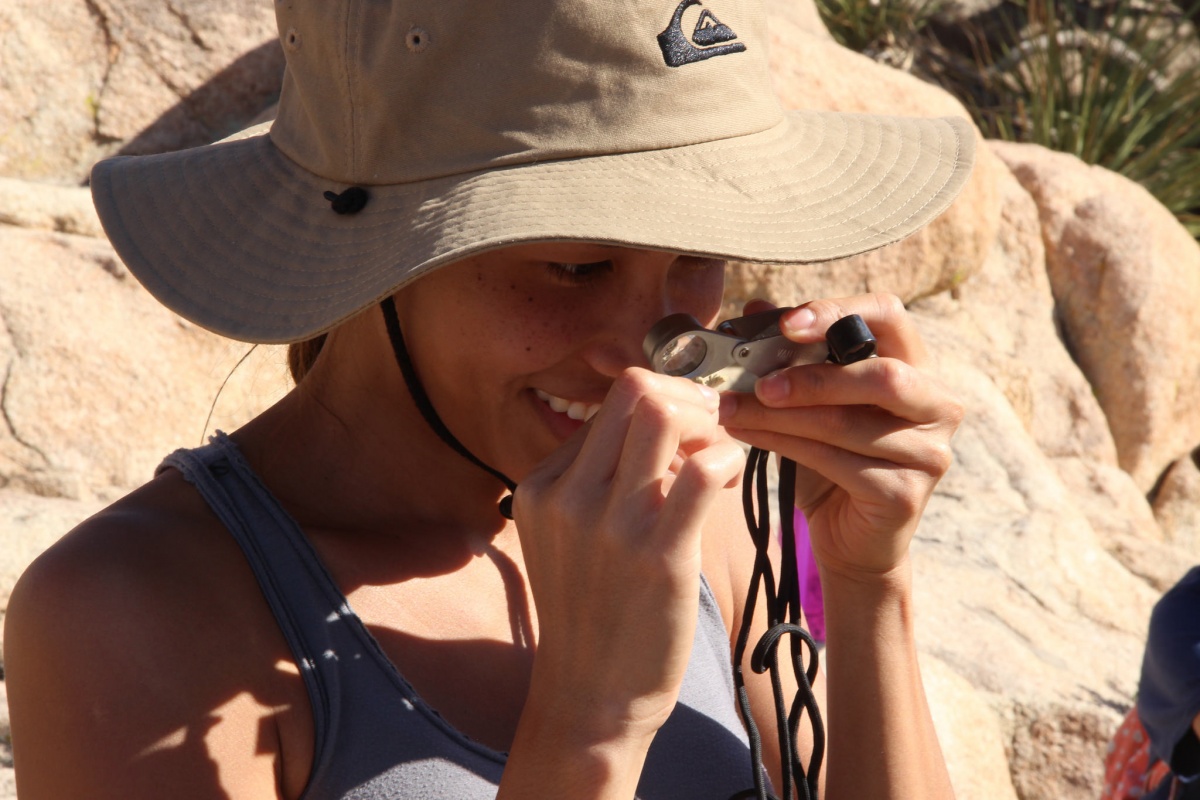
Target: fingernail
798,321
712,400
729,405
773,388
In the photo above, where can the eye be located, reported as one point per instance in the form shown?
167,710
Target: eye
579,273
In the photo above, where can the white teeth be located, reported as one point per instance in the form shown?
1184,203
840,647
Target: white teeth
574,409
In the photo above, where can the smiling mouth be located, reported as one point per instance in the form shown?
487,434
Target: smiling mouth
575,409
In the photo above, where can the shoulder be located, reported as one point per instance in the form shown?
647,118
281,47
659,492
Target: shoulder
148,552
118,645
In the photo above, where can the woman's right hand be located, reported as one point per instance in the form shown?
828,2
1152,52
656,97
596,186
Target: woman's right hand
610,529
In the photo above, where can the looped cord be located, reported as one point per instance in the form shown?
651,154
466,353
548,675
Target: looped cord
765,652
783,618
350,201
425,406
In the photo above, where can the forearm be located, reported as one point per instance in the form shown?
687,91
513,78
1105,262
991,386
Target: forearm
553,757
881,740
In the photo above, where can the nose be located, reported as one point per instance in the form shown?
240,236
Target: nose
617,342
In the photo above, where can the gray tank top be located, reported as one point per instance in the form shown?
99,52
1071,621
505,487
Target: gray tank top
375,737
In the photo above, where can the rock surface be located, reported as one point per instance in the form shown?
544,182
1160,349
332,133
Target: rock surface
1115,254
1047,296
134,76
65,209
89,404
1177,503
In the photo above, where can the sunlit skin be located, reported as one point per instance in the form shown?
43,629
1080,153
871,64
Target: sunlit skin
591,592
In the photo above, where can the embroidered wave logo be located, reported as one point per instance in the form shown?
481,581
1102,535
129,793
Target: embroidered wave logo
710,38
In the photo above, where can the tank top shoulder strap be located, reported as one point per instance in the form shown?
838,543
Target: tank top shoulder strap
301,594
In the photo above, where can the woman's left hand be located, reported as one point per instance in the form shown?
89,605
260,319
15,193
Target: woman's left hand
871,439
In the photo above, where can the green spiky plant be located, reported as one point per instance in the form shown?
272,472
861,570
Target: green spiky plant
878,27
1108,81
1109,85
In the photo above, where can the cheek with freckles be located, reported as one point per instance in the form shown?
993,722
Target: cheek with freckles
522,321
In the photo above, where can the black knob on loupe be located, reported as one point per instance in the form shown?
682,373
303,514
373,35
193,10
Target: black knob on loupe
850,340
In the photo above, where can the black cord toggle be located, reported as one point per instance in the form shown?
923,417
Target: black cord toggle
350,201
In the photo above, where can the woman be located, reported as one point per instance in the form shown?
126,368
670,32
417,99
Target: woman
471,216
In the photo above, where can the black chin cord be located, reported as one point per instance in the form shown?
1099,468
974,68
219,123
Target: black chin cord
783,618
388,305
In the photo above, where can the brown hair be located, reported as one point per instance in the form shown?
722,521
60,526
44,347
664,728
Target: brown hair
302,355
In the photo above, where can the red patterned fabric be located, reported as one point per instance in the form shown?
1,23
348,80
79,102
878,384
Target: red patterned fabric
1128,774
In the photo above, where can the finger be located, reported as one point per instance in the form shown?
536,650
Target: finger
601,451
886,383
904,448
694,490
758,306
885,315
864,430
662,429
881,489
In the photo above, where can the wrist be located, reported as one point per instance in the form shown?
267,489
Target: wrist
894,581
590,709
869,608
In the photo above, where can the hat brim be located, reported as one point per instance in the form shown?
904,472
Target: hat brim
237,238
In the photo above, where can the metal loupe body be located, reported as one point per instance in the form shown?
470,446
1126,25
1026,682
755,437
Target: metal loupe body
740,351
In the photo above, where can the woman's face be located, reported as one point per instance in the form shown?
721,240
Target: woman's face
516,347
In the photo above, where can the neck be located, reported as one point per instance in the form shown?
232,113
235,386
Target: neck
348,449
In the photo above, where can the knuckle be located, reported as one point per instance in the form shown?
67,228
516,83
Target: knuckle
940,458
655,411
888,304
908,491
893,378
956,412
709,470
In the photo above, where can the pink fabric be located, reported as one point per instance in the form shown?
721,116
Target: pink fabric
812,601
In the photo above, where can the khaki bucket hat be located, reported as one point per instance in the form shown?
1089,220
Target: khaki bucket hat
411,134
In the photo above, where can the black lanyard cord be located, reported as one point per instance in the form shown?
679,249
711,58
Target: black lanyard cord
782,605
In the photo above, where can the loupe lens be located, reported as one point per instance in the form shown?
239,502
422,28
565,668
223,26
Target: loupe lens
683,355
